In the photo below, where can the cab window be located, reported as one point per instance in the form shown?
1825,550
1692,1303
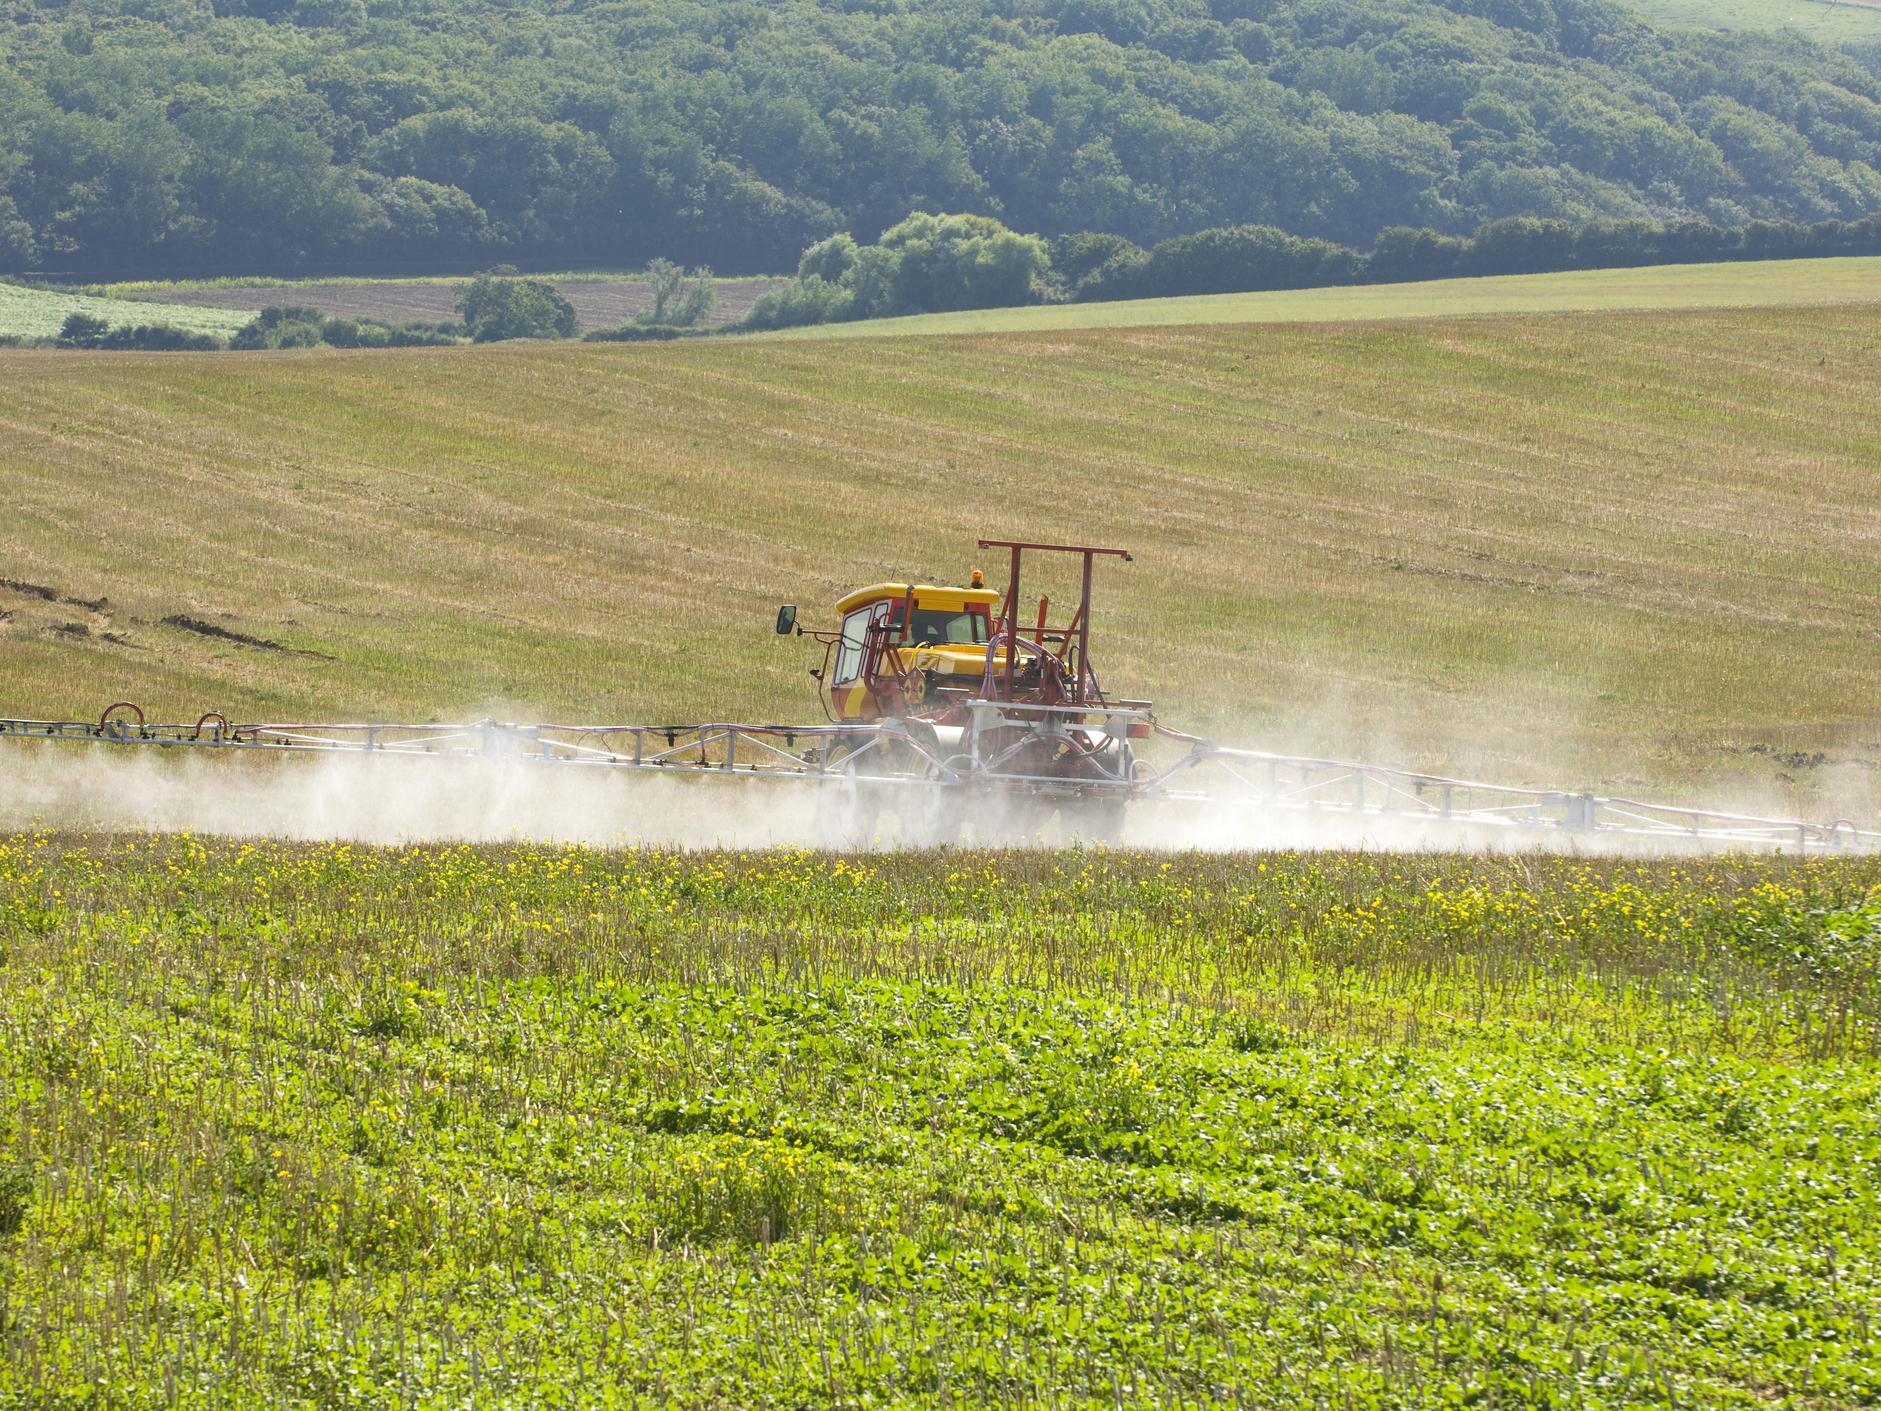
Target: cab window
849,646
930,628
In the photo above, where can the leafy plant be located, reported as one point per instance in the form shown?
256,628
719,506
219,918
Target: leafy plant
495,308
302,326
82,330
925,264
490,1125
16,1193
681,298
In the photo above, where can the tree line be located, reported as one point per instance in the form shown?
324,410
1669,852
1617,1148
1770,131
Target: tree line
289,136
932,263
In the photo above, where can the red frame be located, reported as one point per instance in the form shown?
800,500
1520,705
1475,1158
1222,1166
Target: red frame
1084,685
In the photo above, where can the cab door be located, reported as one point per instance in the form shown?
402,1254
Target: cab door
849,692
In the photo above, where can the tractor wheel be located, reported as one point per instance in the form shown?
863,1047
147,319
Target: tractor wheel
930,807
1018,820
848,811
1097,820
933,816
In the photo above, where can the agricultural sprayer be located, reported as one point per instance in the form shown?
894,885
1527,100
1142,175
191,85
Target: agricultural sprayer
962,712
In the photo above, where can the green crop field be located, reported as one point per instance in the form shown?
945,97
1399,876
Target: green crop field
38,313
1628,550
323,1126
1821,20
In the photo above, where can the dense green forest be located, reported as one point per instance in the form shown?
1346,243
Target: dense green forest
180,136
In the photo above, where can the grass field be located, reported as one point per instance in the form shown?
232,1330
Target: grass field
600,300
322,1126
39,313
1824,22
1629,550
1747,284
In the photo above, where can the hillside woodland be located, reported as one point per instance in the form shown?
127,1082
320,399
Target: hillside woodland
211,135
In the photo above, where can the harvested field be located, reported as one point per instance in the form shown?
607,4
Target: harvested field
1631,551
599,302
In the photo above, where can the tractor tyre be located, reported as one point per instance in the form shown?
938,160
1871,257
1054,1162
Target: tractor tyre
1099,820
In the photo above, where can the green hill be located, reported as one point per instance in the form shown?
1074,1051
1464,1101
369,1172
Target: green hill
274,136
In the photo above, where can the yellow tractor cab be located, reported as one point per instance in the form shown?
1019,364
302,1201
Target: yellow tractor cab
899,642
926,653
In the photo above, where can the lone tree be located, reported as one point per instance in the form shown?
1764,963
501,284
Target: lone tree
82,330
495,308
680,299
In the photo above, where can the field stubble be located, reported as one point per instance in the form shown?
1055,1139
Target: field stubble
1631,552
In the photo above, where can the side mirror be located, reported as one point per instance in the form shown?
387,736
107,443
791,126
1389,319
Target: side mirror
786,619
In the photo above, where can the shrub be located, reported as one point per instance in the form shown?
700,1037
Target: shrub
281,326
1405,253
828,260
82,330
1243,257
1522,245
421,335
16,1193
340,332
802,301
680,299
1077,258
1115,278
164,337
298,326
636,333
947,262
926,264
498,308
